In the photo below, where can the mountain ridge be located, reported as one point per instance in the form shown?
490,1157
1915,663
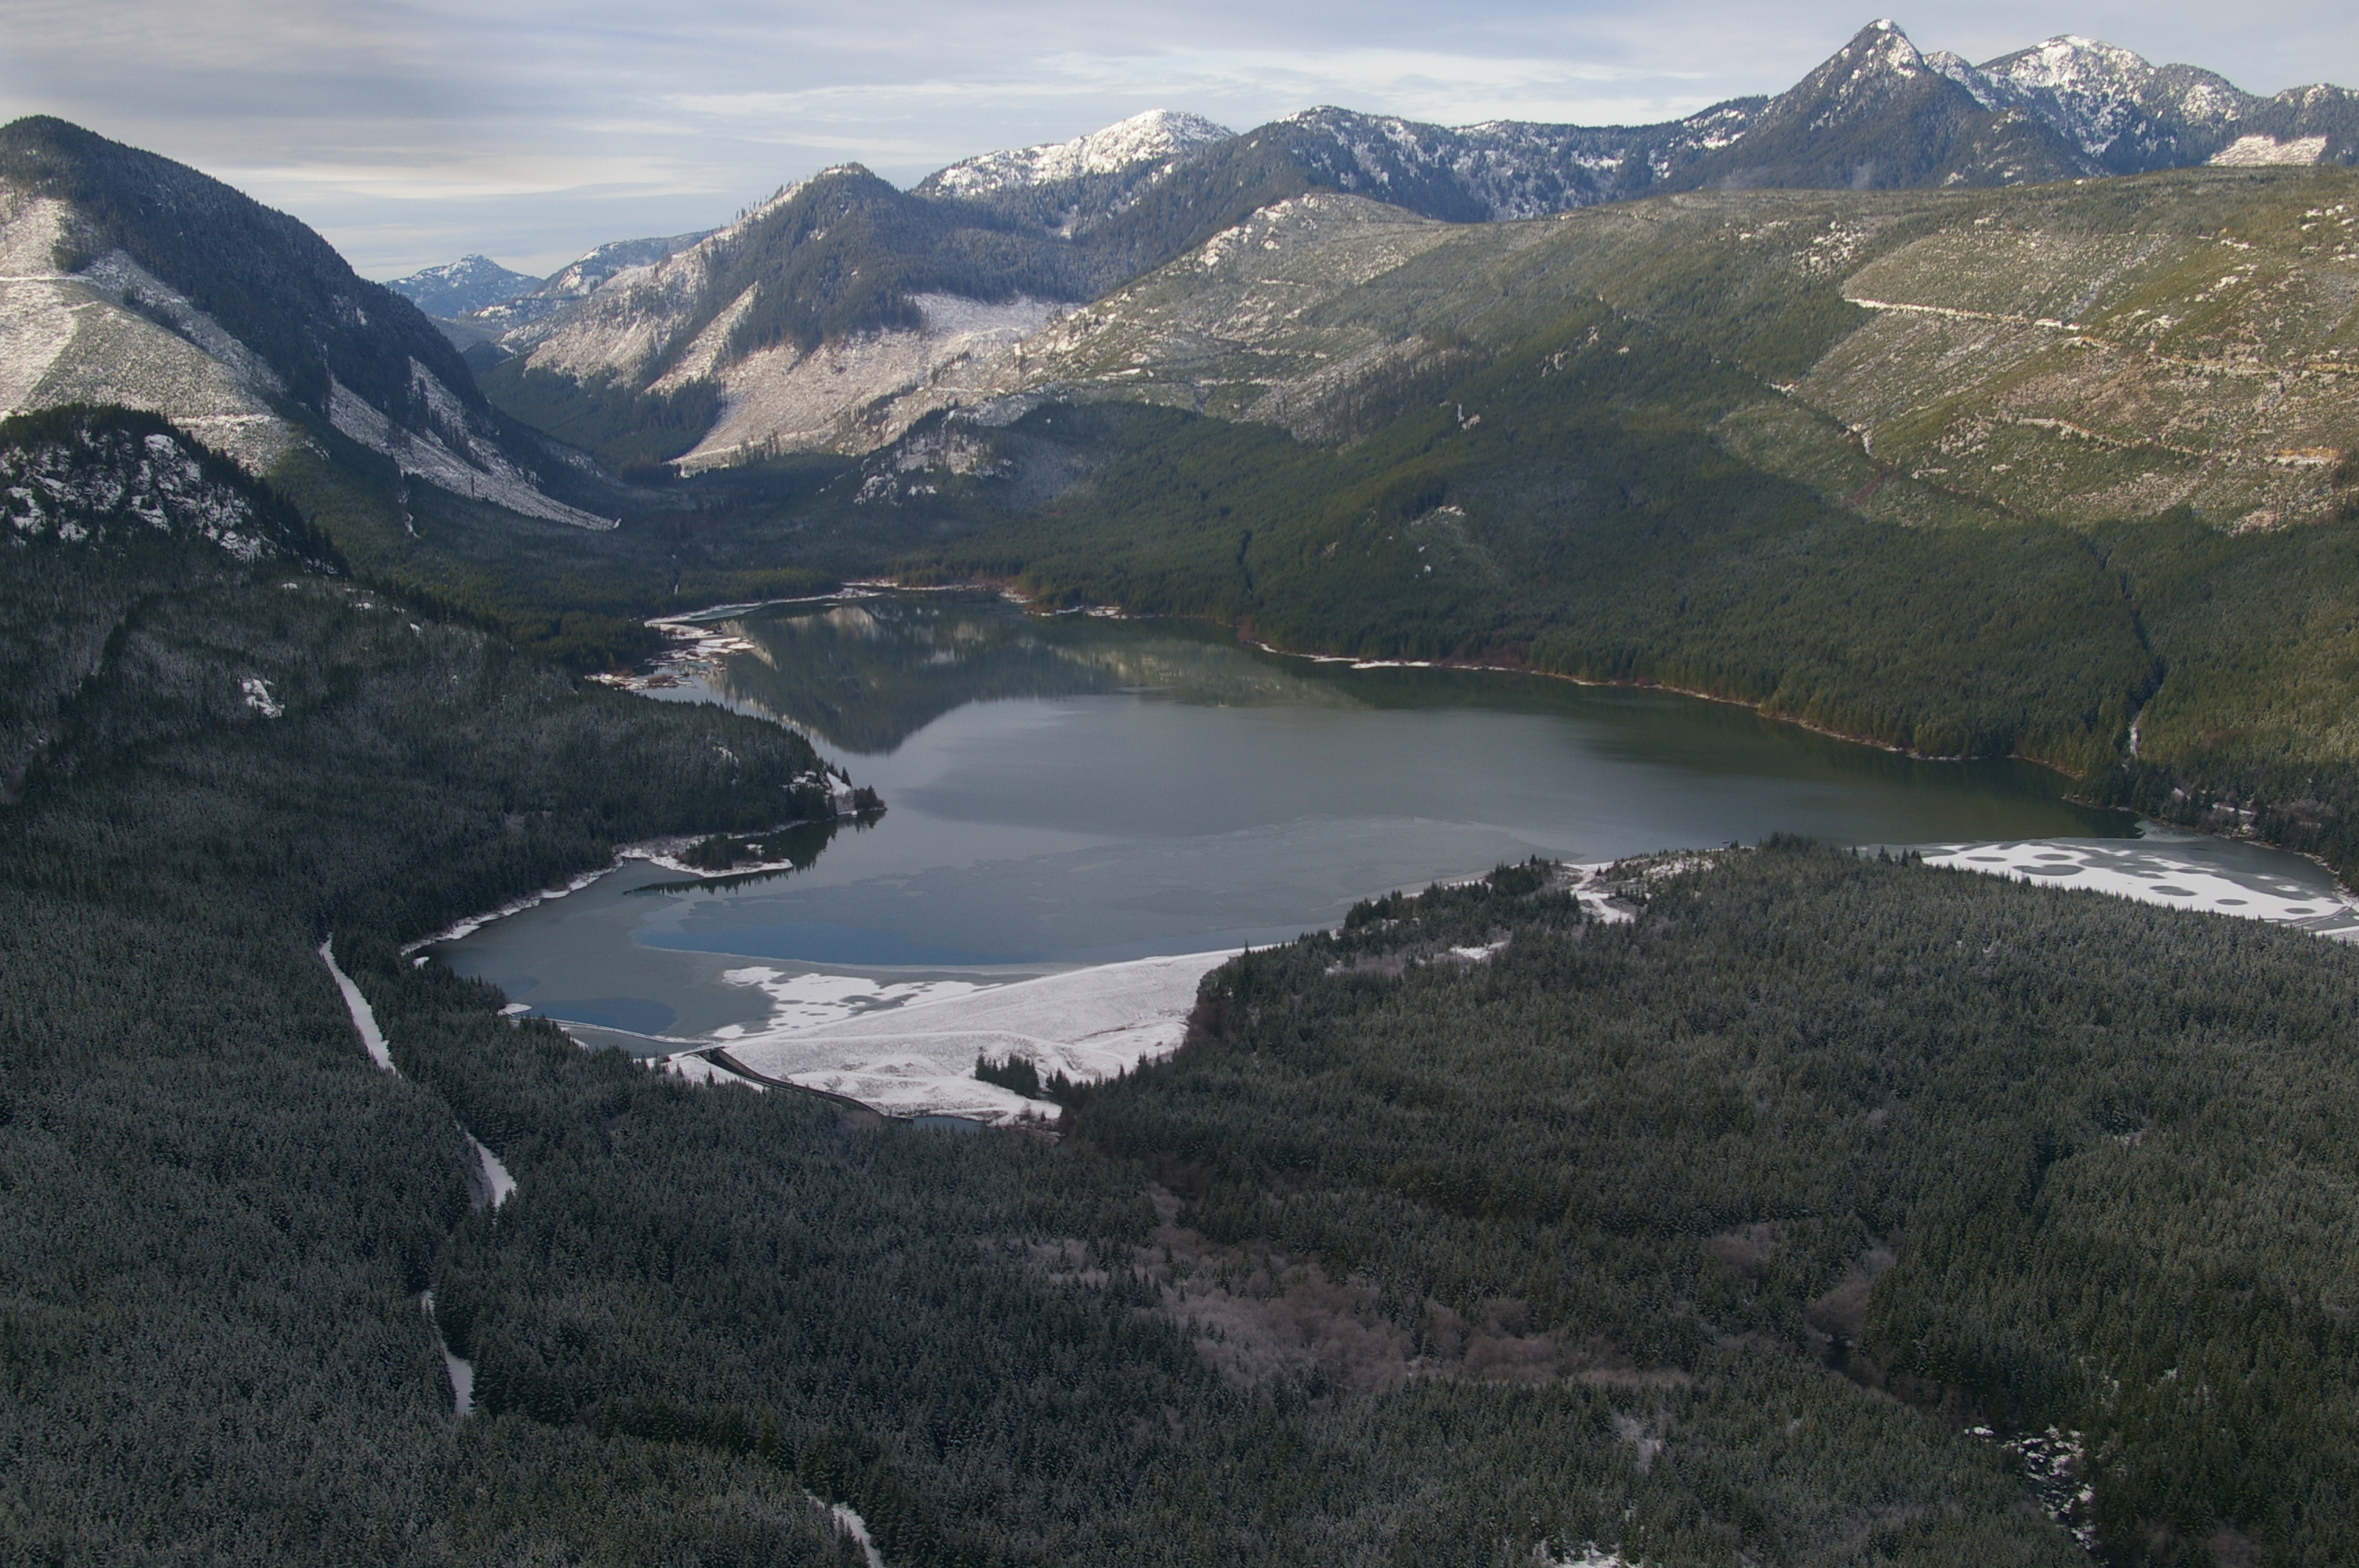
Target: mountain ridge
1039,231
129,279
1155,136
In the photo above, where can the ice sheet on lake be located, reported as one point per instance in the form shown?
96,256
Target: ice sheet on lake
2178,870
810,1001
918,1057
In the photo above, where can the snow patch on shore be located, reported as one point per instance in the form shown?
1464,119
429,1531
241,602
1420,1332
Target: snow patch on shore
812,1002
474,923
910,1048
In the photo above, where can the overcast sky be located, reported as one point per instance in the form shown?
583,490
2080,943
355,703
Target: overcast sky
410,132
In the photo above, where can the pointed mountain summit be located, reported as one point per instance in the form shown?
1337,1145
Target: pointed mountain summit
1879,114
471,283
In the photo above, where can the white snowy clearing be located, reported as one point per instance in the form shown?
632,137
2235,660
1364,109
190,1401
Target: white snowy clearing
860,393
848,1523
2259,152
2180,872
75,338
1589,1554
911,1049
481,470
257,696
491,1183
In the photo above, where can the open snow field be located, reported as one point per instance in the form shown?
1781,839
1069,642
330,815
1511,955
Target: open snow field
2180,870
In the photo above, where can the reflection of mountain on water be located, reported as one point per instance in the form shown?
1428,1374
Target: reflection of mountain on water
866,677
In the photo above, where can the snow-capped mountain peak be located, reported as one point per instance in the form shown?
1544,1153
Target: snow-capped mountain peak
2111,102
1155,136
1878,62
456,287
1882,48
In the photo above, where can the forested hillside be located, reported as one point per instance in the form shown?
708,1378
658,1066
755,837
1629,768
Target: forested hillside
219,1215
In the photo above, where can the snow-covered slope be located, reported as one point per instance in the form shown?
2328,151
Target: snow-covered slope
109,333
105,251
860,393
2127,115
1158,136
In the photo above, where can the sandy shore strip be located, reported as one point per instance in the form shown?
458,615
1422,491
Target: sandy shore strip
917,1058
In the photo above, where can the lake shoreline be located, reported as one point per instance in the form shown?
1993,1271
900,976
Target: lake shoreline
664,852
1006,589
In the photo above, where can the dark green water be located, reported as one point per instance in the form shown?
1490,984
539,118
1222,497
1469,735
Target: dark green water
1078,790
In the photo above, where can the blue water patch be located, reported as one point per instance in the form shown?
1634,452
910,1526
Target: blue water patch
636,1014
820,942
947,1123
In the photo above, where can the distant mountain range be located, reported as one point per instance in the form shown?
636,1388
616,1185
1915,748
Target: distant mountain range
844,308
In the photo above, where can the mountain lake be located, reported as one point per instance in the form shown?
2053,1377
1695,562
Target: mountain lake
1084,812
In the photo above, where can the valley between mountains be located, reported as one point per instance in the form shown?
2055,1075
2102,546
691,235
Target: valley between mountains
1769,1205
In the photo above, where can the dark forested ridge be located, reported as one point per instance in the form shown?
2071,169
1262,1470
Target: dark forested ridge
216,1229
